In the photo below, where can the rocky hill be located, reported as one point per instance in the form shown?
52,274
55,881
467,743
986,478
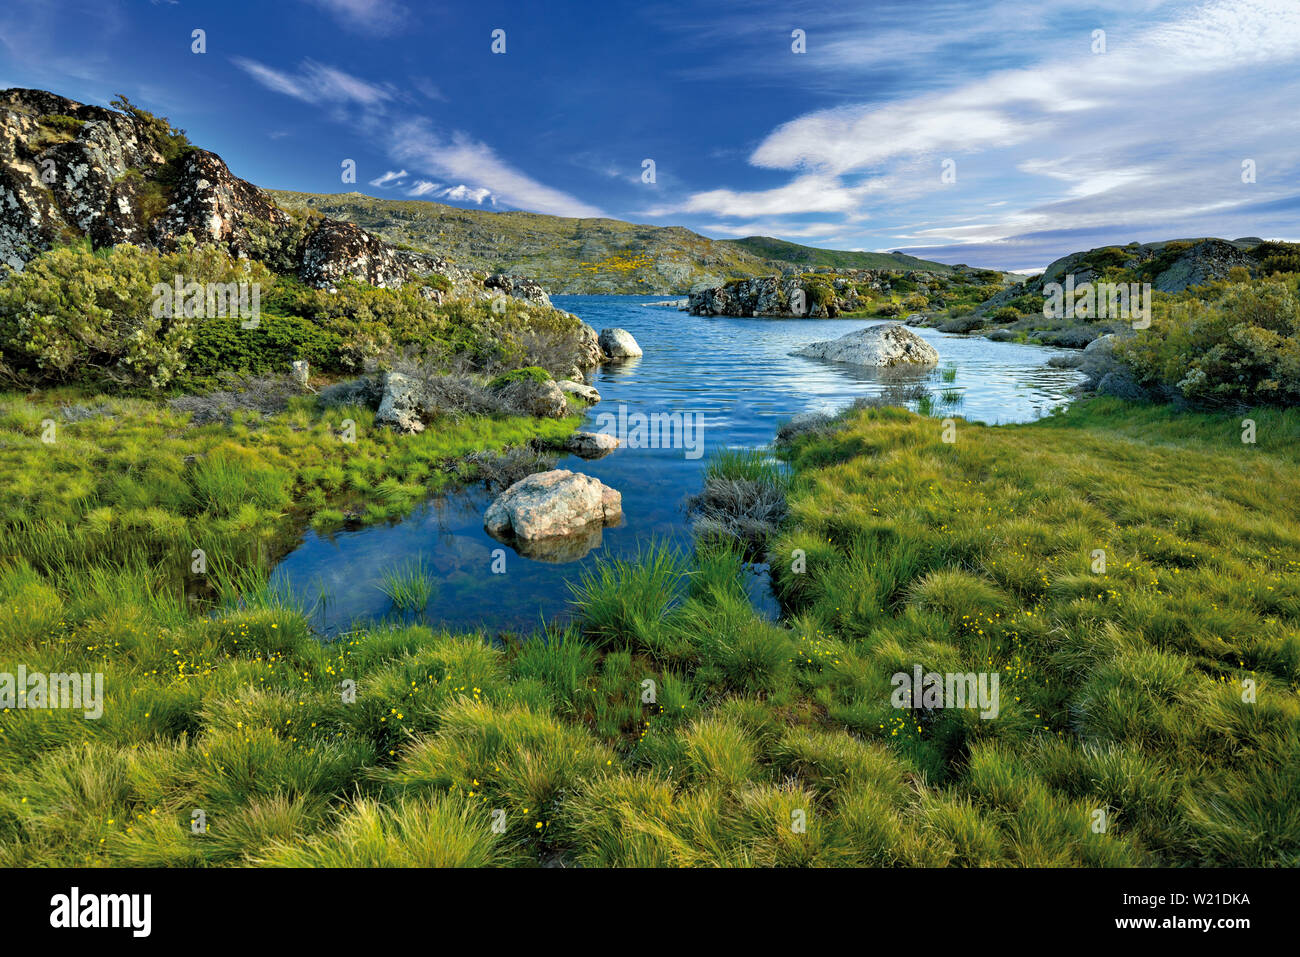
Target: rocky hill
69,171
1172,266
585,255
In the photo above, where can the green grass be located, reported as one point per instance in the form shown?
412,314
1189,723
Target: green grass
409,586
669,725
751,465
136,484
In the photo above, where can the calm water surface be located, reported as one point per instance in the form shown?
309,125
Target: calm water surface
737,375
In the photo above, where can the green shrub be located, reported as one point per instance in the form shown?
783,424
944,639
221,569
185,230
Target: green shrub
526,374
73,314
1006,314
1277,257
1241,348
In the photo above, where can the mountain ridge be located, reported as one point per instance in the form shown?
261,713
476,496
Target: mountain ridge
584,255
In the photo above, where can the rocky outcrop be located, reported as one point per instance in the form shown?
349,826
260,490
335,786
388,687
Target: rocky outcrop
69,170
1172,266
809,296
591,445
520,287
618,344
882,346
212,205
550,505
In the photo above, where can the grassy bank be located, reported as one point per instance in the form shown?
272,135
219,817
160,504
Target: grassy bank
754,742
103,482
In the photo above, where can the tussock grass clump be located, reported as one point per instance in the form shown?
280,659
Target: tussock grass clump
409,586
743,500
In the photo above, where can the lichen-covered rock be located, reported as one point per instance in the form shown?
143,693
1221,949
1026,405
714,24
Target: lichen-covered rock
212,205
589,351
68,178
618,344
885,345
551,505
400,406
337,251
520,287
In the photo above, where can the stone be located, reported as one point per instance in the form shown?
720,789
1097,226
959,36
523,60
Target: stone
884,345
591,445
400,407
584,392
300,372
552,504
618,344
589,351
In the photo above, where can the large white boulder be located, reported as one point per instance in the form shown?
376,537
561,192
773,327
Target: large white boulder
618,344
552,504
884,345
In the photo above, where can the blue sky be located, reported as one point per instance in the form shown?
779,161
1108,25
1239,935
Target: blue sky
1055,145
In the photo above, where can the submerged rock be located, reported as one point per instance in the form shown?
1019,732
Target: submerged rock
618,344
591,445
884,345
554,504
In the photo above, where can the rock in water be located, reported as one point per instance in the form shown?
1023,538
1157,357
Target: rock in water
554,504
591,445
884,345
618,344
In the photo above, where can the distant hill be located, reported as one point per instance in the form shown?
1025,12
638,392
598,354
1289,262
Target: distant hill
583,255
811,257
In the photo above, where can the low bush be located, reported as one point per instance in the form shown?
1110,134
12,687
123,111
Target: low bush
1240,348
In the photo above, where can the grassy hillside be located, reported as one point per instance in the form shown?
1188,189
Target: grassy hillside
812,257
581,255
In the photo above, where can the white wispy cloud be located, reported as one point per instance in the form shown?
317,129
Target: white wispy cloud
317,83
814,193
390,178
378,17
461,157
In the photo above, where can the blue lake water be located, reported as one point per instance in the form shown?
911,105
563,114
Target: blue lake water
736,375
